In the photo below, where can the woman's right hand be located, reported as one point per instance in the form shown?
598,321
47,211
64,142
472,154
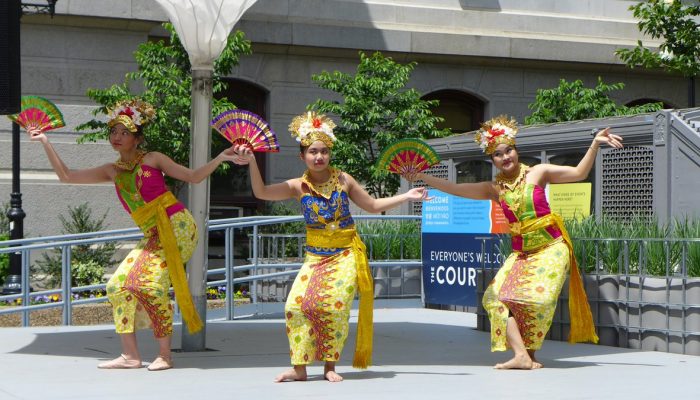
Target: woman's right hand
413,176
244,155
36,135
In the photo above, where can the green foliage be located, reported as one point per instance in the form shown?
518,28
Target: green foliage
88,262
4,260
164,74
87,272
674,22
648,257
4,220
291,244
4,235
375,111
388,239
571,101
602,239
281,208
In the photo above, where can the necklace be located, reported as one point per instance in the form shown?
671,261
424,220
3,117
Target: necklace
130,165
325,189
513,189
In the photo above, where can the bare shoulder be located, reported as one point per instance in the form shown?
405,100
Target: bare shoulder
153,157
295,184
539,168
109,170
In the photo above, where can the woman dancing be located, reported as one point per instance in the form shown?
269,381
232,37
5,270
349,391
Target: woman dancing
138,289
521,299
318,307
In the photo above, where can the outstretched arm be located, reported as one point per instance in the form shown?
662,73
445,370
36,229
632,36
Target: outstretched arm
368,203
477,191
279,191
66,175
182,173
565,174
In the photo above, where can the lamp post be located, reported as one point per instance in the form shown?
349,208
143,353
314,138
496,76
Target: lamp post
13,280
203,27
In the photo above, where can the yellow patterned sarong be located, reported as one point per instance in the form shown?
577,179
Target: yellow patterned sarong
318,307
138,289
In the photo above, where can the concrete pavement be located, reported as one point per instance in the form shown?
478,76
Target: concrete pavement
418,354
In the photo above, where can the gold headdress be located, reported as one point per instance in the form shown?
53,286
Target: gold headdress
131,113
498,130
310,127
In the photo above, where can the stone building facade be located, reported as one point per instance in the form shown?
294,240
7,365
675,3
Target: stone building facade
479,57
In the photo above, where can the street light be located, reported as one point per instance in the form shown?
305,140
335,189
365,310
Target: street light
203,27
13,281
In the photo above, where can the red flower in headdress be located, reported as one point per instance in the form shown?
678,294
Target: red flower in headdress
127,111
316,123
497,132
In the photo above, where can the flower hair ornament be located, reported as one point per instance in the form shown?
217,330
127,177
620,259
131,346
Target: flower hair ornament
498,130
132,113
310,127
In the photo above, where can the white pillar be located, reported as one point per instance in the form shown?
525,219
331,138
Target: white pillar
198,199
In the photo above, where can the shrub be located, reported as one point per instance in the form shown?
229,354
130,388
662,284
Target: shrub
4,260
88,262
391,239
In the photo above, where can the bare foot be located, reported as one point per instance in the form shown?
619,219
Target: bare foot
120,362
535,364
298,373
521,361
332,376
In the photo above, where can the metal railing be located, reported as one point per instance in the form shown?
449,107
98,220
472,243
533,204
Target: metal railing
235,271
644,293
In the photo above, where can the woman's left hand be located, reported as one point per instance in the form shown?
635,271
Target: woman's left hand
418,194
605,137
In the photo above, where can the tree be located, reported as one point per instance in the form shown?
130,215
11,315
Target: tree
164,74
375,111
571,101
88,262
675,22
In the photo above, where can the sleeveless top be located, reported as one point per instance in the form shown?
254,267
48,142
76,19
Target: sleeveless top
140,186
325,206
521,202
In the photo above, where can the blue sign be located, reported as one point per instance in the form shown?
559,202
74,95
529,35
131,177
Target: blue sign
457,242
451,263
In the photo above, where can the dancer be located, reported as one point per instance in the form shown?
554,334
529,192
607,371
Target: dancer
318,306
521,299
138,289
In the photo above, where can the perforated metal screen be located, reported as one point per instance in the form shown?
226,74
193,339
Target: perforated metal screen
440,171
627,182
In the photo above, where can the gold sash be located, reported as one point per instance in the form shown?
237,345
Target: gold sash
344,238
157,208
582,327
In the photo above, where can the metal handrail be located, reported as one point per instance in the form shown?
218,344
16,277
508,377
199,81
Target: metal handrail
65,242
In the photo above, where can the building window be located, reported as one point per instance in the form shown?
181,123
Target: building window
462,112
529,160
233,189
473,171
640,102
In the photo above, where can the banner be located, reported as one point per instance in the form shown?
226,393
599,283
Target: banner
457,240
